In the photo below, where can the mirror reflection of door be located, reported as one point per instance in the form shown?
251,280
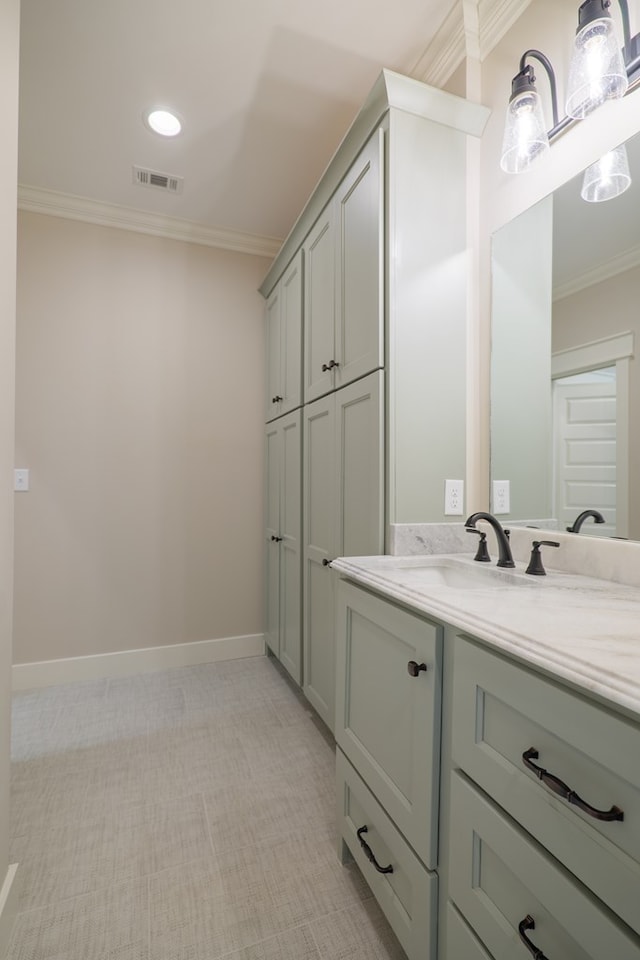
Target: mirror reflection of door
584,430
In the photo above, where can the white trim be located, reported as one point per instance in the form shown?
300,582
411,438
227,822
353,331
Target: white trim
8,908
589,356
604,271
496,18
445,52
45,673
52,203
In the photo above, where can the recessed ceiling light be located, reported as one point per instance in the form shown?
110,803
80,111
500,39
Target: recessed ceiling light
163,122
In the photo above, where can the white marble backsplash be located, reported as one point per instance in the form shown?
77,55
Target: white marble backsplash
599,557
415,539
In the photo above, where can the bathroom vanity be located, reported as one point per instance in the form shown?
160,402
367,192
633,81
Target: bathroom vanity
488,774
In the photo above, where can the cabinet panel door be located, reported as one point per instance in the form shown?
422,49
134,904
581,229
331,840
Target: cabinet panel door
319,514
359,266
461,942
319,306
272,320
291,336
360,467
388,721
290,556
499,877
272,529
408,894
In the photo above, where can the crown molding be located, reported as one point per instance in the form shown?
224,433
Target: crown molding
452,42
496,17
445,52
626,261
69,207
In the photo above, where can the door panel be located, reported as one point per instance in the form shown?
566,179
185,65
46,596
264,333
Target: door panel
272,317
360,462
585,452
359,269
319,501
290,556
291,337
272,547
319,306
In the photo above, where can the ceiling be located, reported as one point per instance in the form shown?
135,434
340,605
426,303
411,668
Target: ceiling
266,89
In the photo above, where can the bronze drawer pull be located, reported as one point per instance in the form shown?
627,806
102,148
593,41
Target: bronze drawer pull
369,854
529,924
415,669
562,790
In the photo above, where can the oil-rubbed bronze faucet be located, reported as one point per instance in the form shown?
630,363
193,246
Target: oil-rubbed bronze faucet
579,520
505,558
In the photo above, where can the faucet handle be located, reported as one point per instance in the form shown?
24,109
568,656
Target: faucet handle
535,563
482,553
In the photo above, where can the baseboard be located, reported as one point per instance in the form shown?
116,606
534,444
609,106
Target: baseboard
46,673
8,908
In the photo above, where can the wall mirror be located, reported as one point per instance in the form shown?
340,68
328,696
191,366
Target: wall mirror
565,385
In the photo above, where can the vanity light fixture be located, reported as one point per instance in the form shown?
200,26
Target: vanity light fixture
597,71
600,70
608,177
164,122
525,133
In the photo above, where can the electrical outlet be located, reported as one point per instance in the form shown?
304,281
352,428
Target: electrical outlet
21,480
453,497
501,496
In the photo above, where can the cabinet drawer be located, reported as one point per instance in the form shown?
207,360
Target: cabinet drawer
408,894
499,878
388,721
501,711
462,943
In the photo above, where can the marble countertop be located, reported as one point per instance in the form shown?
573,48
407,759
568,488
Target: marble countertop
581,629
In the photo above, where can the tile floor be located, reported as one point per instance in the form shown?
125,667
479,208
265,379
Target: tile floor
182,815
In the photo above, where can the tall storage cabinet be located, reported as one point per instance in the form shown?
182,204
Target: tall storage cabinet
383,243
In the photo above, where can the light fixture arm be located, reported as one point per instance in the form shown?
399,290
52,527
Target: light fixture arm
626,24
546,63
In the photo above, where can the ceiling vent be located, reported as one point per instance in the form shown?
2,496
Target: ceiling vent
160,181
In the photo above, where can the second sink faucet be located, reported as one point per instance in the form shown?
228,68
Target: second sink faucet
577,523
505,558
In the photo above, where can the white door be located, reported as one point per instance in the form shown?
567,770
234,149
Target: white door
585,451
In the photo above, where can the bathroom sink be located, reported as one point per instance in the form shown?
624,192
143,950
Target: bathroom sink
461,575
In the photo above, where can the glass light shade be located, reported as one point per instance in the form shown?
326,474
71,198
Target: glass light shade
525,133
597,71
607,178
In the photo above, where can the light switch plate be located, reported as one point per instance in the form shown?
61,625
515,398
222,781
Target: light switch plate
21,480
453,498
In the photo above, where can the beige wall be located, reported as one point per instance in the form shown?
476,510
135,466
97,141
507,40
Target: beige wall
139,414
9,35
604,310
548,25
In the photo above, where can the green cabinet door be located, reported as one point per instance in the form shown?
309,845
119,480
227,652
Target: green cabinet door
388,695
